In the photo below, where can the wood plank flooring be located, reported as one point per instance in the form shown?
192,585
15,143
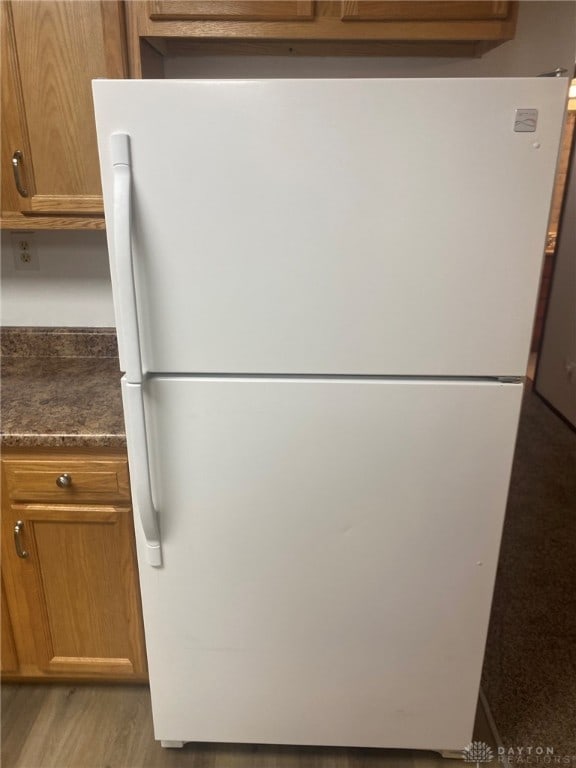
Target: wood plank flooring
106,726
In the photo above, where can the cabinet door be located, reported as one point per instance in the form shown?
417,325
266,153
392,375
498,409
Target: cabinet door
249,10
426,10
55,50
9,659
73,576
15,188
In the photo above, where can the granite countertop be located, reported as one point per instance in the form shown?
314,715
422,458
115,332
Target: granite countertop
61,388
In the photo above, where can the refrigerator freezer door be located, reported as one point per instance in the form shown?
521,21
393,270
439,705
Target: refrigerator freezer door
329,548
392,227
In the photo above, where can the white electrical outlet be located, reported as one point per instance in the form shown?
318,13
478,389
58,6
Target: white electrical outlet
24,250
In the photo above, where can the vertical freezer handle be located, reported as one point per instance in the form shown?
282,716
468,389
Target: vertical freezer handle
139,469
122,240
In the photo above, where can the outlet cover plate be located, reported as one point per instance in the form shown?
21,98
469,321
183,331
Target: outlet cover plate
24,252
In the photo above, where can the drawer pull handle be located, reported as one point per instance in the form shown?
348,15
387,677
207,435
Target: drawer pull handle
20,551
64,481
17,161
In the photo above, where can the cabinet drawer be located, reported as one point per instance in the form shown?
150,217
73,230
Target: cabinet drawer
67,480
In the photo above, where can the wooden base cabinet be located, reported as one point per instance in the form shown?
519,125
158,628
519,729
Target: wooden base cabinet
69,569
9,659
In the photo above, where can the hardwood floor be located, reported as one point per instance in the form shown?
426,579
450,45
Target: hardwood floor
106,726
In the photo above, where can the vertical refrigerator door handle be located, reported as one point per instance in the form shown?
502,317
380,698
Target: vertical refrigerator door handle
140,468
122,240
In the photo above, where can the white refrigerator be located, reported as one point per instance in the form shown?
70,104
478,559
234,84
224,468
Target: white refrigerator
324,293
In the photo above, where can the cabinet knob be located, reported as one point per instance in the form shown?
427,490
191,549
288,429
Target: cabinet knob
64,481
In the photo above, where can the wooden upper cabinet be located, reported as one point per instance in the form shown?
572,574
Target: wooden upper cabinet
322,27
13,127
51,53
244,10
424,10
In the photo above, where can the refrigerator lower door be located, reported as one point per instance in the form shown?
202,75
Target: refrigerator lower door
330,548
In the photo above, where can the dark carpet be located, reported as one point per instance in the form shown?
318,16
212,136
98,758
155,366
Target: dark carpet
529,673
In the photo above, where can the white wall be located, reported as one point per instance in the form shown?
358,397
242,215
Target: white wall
73,286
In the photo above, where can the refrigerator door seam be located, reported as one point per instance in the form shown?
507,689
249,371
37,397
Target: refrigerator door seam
337,377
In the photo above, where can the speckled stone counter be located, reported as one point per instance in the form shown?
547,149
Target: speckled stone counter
60,388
